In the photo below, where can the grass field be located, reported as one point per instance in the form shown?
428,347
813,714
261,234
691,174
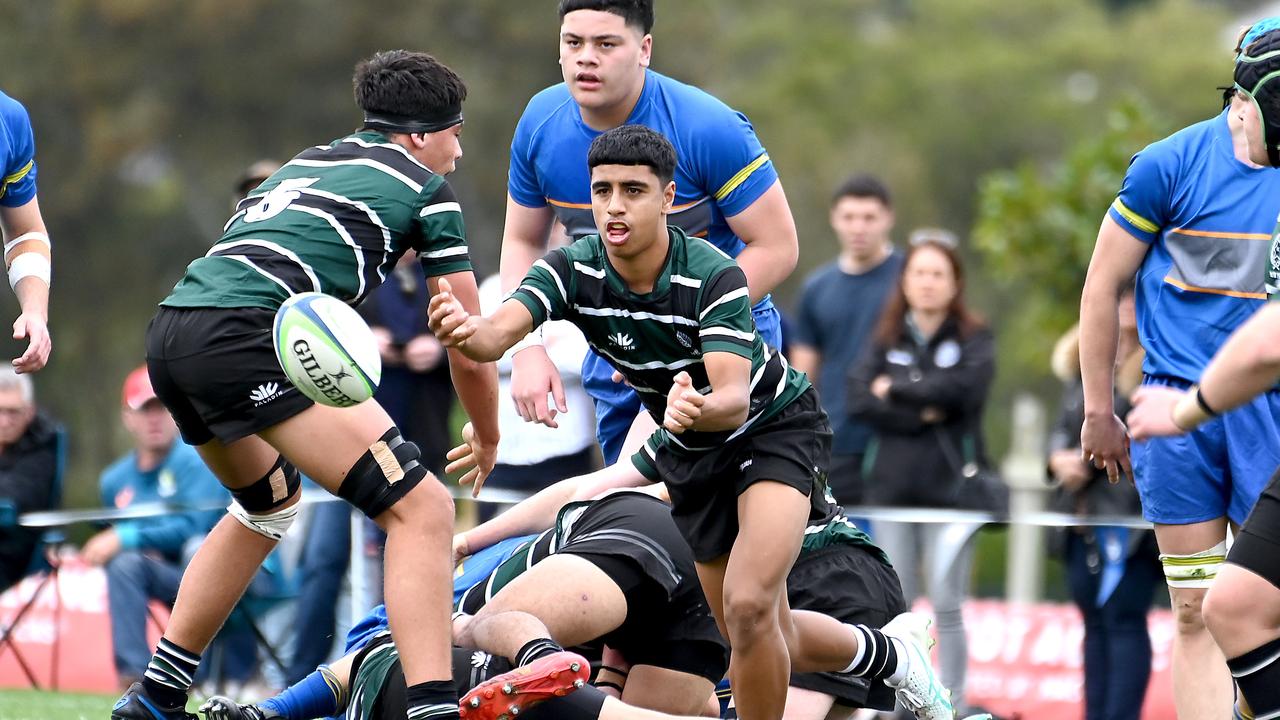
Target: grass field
37,705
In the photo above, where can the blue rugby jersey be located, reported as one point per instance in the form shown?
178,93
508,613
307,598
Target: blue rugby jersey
721,166
17,154
1208,218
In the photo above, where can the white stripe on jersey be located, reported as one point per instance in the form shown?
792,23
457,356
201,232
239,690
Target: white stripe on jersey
617,312
346,238
538,293
726,331
315,281
439,208
390,146
554,276
447,252
365,162
260,271
727,297
686,281
588,270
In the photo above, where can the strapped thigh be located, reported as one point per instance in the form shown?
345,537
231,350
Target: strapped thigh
1196,570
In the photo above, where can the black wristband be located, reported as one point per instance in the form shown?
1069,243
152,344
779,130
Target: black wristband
1204,405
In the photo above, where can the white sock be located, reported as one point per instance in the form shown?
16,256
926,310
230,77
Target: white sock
899,673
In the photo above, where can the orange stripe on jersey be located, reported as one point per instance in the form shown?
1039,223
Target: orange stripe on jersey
1215,291
574,206
1223,235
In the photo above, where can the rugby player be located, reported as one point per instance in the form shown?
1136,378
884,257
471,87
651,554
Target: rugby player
743,446
1242,608
335,219
26,240
727,190
1187,223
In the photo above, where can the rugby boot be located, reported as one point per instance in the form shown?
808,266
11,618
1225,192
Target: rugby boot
919,691
505,696
137,704
219,707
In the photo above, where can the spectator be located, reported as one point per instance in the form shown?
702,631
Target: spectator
1112,572
28,466
144,557
533,456
837,311
922,385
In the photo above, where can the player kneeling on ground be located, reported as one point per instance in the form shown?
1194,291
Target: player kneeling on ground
744,444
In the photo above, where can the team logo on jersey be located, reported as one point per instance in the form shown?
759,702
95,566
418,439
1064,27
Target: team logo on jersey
166,484
265,393
622,341
684,339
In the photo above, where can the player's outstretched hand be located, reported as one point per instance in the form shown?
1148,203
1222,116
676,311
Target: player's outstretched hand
473,456
35,331
1152,413
1105,443
684,404
450,322
533,377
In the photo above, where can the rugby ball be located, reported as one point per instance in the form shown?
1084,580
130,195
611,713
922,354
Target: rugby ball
326,350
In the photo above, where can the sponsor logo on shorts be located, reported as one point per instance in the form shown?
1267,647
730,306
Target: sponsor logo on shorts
265,393
622,340
480,659
745,464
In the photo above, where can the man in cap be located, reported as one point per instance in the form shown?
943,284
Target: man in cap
144,557
1187,222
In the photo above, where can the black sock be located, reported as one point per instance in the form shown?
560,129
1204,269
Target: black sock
536,649
1257,672
432,700
168,676
877,656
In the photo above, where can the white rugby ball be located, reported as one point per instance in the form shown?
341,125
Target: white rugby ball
326,350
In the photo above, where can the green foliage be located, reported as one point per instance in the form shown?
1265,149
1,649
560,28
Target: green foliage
1036,229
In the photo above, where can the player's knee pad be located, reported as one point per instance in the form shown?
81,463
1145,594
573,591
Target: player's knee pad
257,506
386,472
1196,570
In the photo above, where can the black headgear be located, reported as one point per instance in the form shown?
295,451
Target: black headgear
1258,77
435,121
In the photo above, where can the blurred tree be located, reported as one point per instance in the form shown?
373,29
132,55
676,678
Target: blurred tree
1036,229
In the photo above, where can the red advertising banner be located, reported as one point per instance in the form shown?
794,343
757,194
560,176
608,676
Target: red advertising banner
1024,661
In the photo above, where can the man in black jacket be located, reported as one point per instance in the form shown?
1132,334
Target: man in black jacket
28,466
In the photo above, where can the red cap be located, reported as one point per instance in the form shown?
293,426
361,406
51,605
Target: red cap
137,389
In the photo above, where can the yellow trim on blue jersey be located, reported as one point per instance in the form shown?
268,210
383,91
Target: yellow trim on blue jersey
21,173
1222,235
1134,218
1215,291
741,177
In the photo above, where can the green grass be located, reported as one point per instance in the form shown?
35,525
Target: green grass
39,705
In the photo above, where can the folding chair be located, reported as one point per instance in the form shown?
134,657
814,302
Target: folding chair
45,561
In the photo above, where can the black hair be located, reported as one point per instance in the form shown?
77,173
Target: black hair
634,145
863,186
637,13
408,84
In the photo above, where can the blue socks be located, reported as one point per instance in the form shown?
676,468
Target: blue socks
319,694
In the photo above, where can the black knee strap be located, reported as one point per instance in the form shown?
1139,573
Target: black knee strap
271,490
386,472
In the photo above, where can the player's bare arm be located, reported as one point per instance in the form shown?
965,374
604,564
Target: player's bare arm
772,245
1246,366
476,384
483,339
1116,258
27,257
805,358
724,408
533,375
539,511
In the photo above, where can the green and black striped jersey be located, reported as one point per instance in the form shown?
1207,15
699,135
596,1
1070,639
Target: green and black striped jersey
335,219
699,304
